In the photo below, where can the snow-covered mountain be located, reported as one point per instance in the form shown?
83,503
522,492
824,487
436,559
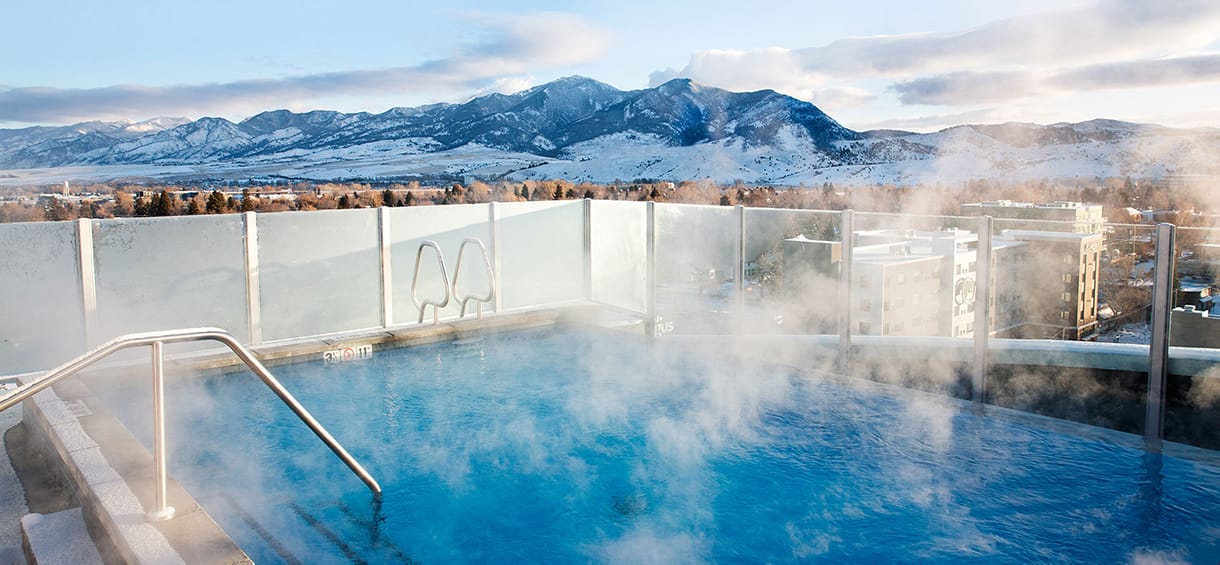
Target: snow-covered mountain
581,129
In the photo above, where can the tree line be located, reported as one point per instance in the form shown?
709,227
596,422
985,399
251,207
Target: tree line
1116,195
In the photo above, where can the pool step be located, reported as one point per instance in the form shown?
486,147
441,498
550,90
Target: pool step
56,538
336,532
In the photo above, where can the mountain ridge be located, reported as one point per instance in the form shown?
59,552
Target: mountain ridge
579,128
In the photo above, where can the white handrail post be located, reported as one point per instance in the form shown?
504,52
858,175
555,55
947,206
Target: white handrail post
1158,361
650,266
387,275
846,230
493,218
587,263
88,280
162,510
739,268
254,306
982,309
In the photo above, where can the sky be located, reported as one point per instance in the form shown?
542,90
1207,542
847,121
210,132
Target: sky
870,64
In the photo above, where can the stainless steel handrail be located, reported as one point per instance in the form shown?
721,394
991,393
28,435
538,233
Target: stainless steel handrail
491,280
421,305
156,340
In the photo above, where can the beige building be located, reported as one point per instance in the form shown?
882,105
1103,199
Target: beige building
1047,287
1074,217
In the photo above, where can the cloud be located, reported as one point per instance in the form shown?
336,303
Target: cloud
515,45
1111,44
1127,74
964,88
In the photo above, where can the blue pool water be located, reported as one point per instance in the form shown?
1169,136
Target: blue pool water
550,447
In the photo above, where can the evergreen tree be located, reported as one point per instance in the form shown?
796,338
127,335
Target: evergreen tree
387,197
247,201
216,203
409,200
344,202
55,211
164,205
192,208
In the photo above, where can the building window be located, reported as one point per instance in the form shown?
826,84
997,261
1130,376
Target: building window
1066,297
866,305
864,328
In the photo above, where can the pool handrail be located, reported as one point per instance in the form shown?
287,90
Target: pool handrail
423,304
491,279
156,340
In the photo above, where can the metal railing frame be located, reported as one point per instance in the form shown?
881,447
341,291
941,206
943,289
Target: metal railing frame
162,510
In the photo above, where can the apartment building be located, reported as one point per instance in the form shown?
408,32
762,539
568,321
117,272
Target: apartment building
1076,217
1047,286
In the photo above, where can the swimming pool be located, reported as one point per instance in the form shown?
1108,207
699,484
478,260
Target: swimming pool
560,447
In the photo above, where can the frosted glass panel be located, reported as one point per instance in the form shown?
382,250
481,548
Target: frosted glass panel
170,273
543,252
447,226
792,271
619,251
41,320
320,272
695,267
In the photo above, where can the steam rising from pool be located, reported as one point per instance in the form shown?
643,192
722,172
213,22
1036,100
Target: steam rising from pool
598,447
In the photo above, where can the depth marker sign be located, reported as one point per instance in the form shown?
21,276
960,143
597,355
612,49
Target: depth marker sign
347,354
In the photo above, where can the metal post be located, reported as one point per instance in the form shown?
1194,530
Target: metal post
587,211
387,277
845,259
982,309
1158,358
161,510
739,268
650,266
88,280
254,307
493,219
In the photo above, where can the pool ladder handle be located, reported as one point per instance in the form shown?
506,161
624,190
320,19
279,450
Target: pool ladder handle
156,340
491,279
451,290
435,304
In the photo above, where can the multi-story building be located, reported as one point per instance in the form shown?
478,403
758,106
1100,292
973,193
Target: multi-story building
904,283
1048,286
1074,217
913,283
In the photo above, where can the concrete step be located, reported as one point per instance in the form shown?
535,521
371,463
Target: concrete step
56,538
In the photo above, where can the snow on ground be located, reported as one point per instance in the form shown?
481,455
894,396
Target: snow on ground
1128,333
